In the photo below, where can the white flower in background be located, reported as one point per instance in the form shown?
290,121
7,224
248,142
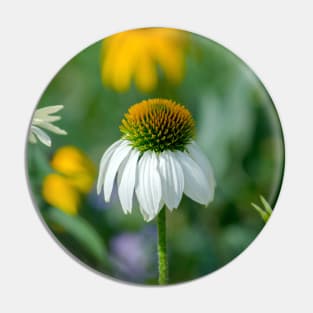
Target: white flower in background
43,118
156,160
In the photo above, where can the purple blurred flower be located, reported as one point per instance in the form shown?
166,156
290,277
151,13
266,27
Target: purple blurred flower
133,254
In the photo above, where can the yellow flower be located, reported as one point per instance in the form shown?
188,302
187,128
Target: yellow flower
135,54
76,166
74,178
58,192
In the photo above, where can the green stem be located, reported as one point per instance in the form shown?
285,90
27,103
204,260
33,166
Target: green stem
162,254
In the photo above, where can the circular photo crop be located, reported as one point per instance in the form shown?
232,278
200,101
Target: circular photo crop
155,156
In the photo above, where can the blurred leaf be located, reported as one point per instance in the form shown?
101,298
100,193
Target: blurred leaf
40,160
82,231
234,240
266,205
265,212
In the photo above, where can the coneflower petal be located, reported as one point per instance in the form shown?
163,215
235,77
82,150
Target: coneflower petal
172,179
148,189
48,118
41,135
52,128
198,156
32,137
43,112
140,193
196,185
104,163
118,156
127,180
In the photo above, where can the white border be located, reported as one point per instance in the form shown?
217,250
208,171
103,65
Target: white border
273,38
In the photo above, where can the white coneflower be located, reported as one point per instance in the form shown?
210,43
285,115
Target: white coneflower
156,159
43,119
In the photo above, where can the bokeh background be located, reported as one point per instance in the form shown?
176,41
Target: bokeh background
236,126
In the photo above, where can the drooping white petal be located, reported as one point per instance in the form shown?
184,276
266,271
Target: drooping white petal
198,156
32,137
118,156
52,128
48,118
142,171
127,180
149,217
105,162
146,216
148,187
172,179
196,185
43,112
41,135
139,189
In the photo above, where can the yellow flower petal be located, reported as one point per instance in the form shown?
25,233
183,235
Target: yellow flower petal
124,68
76,166
59,193
170,59
110,49
146,74
135,54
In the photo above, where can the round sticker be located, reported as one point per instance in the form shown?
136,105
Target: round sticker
155,156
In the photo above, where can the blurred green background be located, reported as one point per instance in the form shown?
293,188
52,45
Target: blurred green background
236,126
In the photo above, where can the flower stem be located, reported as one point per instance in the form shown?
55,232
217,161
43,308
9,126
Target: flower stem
162,253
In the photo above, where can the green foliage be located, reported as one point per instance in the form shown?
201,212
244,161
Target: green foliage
264,212
81,231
